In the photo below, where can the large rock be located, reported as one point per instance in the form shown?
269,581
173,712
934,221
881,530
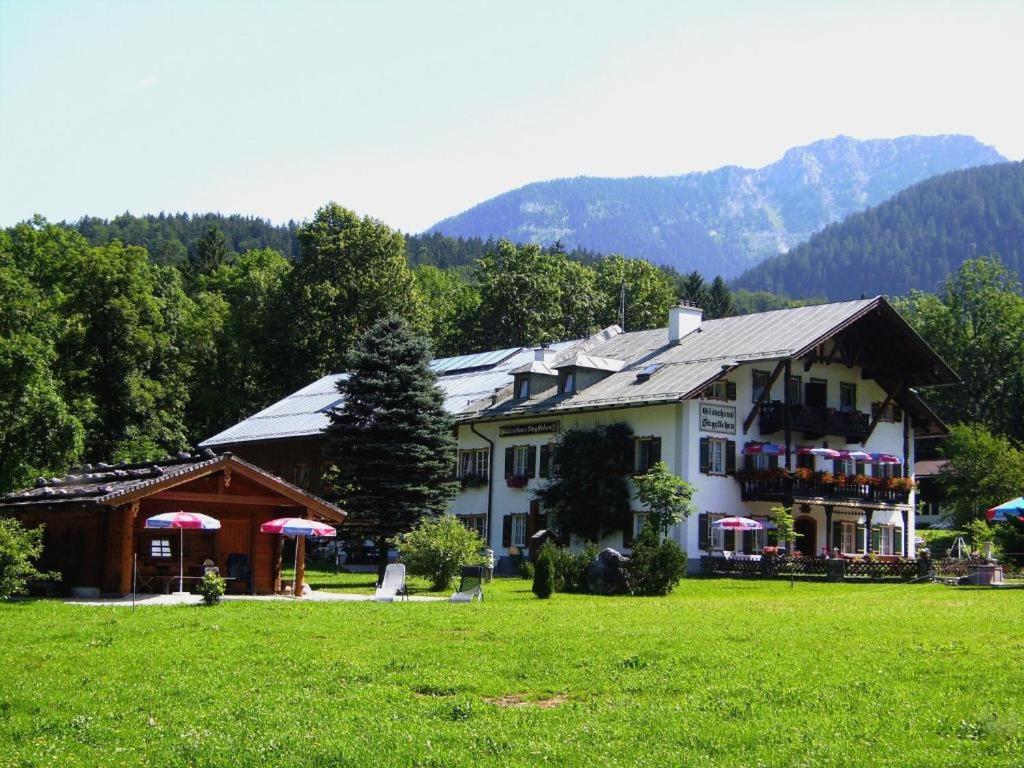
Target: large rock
606,574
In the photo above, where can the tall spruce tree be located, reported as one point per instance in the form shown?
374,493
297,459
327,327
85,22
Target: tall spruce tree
391,441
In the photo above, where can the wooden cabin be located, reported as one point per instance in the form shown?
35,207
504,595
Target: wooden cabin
95,517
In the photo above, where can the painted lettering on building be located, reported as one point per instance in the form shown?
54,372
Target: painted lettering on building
718,418
539,428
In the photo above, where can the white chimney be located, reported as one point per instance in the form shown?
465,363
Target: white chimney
684,318
544,354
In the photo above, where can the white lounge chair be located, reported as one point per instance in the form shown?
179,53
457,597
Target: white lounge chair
470,585
393,584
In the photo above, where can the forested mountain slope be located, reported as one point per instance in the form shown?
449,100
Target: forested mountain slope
725,220
913,240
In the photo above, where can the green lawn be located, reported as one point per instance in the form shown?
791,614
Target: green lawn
720,673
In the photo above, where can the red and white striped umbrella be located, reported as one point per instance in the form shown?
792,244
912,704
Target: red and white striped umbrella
825,453
182,520
768,449
885,458
855,455
298,526
737,524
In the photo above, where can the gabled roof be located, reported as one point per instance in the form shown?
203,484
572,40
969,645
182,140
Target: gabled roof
111,486
592,362
537,366
463,380
699,358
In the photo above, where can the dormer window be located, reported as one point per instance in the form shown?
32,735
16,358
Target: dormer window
567,385
522,387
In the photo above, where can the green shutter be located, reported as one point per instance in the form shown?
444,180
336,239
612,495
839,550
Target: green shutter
730,390
705,455
510,461
531,461
837,534
703,532
897,541
655,456
876,539
730,457
545,460
859,544
506,531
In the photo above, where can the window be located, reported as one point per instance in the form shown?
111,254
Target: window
720,390
474,462
568,385
849,467
717,534
475,523
762,461
884,534
518,530
648,453
805,461
759,381
716,456
160,548
884,470
849,542
521,462
522,387
847,396
796,387
300,475
639,521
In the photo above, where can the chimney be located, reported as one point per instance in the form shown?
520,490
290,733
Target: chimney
544,353
684,318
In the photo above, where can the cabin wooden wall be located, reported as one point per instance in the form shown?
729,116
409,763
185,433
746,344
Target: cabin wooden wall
285,458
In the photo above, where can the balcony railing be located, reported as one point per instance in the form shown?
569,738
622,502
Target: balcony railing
814,422
779,485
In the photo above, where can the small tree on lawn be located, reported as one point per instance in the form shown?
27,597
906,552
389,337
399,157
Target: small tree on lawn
19,547
785,531
391,441
588,493
982,535
666,496
437,548
544,573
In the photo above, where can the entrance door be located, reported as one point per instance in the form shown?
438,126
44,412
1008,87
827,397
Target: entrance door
807,536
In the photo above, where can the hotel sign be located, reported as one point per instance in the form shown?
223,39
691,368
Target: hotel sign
718,418
539,428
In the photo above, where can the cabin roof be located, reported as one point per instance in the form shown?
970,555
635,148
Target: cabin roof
113,485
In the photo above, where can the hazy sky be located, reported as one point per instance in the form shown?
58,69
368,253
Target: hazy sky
412,111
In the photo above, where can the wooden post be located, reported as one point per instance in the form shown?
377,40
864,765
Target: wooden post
128,514
787,404
300,565
829,544
868,513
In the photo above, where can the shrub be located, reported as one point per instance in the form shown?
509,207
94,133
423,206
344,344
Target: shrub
19,547
666,496
437,548
981,535
570,569
1010,536
544,576
212,588
656,565
526,570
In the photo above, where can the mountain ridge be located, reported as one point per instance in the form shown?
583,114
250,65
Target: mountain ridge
723,220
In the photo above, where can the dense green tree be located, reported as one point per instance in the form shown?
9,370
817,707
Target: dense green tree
692,288
588,494
648,293
353,272
719,300
976,324
983,470
665,496
391,441
19,549
211,251
450,304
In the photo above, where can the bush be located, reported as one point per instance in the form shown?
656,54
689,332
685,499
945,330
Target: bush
19,546
437,548
526,570
1010,536
544,575
656,565
570,569
212,588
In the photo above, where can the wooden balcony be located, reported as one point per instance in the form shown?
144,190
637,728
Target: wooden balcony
814,422
780,485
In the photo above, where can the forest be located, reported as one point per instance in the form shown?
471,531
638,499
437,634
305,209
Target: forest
914,240
110,352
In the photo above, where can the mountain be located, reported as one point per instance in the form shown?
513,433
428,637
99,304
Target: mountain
721,221
911,241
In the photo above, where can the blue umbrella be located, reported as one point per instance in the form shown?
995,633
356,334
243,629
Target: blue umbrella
1011,508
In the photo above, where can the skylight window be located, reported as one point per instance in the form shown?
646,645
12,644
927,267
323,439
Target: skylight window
647,372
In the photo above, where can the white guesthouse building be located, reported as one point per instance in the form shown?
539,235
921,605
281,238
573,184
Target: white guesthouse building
701,396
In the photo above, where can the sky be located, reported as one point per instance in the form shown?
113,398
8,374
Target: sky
414,111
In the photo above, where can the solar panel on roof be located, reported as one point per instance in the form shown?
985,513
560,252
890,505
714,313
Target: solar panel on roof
467,362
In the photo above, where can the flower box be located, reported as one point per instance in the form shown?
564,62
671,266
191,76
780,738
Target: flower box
517,481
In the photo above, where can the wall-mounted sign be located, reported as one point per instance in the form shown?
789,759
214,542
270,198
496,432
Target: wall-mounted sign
718,418
539,428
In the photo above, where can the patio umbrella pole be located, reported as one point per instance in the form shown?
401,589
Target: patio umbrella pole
181,560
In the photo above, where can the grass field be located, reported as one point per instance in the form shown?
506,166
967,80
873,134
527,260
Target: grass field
720,673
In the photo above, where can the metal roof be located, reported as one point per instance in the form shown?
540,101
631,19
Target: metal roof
305,413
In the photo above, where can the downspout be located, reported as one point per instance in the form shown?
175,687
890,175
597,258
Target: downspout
490,478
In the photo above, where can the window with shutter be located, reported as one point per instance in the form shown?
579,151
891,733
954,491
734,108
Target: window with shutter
759,381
